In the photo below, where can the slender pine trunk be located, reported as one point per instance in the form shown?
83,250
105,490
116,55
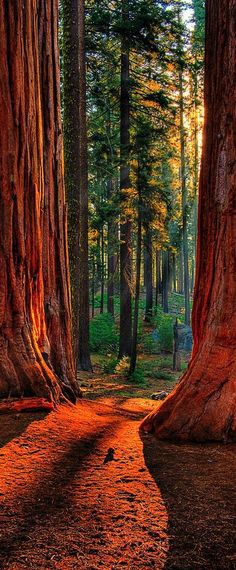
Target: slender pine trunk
110,254
133,358
180,272
125,224
84,361
148,274
184,197
165,281
102,271
174,271
71,130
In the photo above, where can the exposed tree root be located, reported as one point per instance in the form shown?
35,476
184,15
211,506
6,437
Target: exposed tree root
25,405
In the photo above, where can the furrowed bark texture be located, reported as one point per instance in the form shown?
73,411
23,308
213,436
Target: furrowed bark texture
35,315
203,406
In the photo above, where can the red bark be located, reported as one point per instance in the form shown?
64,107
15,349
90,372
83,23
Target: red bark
25,405
35,316
203,406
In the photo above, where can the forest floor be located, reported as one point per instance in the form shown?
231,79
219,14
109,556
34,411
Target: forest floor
156,505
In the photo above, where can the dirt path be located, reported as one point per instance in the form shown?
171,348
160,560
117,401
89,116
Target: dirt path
157,506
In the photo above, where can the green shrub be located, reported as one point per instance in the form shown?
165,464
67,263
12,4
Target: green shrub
109,365
149,344
103,334
164,325
138,377
122,367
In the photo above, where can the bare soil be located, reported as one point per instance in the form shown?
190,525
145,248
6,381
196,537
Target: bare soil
156,505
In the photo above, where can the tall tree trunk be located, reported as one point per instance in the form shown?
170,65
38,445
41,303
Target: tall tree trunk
203,406
102,271
158,277
196,168
36,356
110,253
93,285
148,274
174,271
165,281
84,361
159,270
71,130
180,272
133,358
184,199
125,226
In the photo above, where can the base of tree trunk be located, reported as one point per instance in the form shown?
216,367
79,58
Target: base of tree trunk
26,373
203,405
25,405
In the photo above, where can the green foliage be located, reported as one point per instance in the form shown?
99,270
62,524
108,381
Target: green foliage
138,376
110,364
122,367
149,344
164,325
162,375
103,334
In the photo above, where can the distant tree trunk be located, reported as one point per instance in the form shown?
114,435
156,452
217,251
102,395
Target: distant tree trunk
170,269
71,146
192,275
110,283
203,406
93,285
36,356
159,274
196,169
102,271
174,271
148,274
84,361
125,226
180,272
165,281
158,277
133,358
184,200
110,255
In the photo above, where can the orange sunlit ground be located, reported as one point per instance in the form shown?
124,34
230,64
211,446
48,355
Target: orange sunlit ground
157,506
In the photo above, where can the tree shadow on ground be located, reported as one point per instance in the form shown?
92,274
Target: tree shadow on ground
13,425
197,484
48,502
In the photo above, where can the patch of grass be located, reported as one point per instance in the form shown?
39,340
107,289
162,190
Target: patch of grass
159,374
165,362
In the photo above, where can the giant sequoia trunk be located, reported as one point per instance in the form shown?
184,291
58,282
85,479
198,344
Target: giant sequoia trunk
36,355
203,406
